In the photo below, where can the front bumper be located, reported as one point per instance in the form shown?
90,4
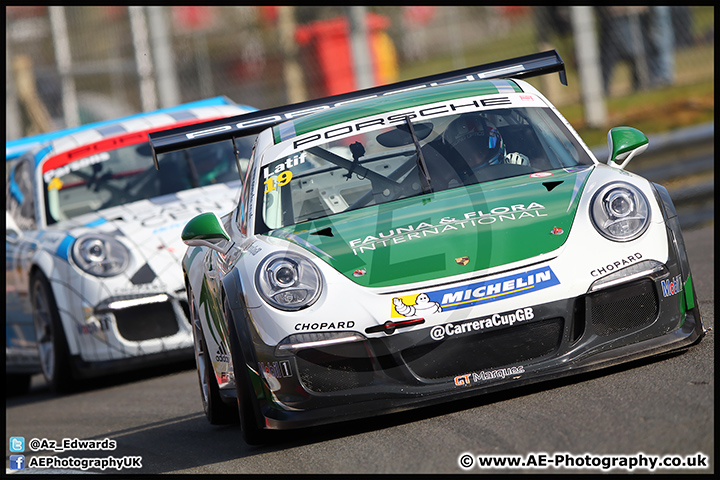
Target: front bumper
123,332
25,361
402,370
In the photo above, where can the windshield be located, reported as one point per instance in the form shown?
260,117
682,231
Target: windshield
408,159
120,176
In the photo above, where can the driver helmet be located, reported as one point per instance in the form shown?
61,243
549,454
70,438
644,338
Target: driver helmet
476,140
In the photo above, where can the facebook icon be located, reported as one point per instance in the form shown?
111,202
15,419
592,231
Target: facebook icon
17,462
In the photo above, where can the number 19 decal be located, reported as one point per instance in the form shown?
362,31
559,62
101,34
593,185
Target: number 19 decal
282,180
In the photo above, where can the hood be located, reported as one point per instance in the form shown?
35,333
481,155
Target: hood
152,227
447,233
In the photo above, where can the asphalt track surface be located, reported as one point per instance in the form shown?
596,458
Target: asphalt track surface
650,408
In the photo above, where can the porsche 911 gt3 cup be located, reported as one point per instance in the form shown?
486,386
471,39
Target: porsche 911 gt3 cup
425,241
92,243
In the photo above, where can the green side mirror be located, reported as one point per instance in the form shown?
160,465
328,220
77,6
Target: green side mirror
205,230
624,143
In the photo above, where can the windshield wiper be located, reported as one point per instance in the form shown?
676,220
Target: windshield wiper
422,166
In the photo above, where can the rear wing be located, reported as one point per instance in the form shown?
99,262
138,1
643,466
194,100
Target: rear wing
255,122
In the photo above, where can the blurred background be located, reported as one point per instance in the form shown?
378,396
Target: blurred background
68,66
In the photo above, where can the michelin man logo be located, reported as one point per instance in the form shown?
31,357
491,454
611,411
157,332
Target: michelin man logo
422,306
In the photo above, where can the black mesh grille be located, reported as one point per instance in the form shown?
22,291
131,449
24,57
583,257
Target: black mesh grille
472,353
624,308
332,369
144,322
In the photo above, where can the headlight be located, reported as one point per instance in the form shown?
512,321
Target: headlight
100,255
288,281
620,212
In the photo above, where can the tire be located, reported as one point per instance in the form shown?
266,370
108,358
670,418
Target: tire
17,384
216,411
252,433
52,343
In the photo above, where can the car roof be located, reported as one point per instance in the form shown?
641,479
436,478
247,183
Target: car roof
81,143
78,136
383,104
140,123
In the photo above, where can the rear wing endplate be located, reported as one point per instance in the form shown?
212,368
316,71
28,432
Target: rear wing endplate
255,122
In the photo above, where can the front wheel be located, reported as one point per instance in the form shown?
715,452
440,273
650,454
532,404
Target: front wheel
253,434
52,344
216,411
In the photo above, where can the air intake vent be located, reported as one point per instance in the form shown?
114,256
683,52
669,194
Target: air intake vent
623,308
144,322
487,350
335,368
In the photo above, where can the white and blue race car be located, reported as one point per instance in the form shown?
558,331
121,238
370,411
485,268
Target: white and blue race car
94,283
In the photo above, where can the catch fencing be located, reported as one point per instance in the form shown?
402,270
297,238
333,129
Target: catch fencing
67,66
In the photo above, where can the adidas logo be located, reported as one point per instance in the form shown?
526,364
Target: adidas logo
222,354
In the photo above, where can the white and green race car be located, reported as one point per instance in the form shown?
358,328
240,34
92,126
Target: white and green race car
421,242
